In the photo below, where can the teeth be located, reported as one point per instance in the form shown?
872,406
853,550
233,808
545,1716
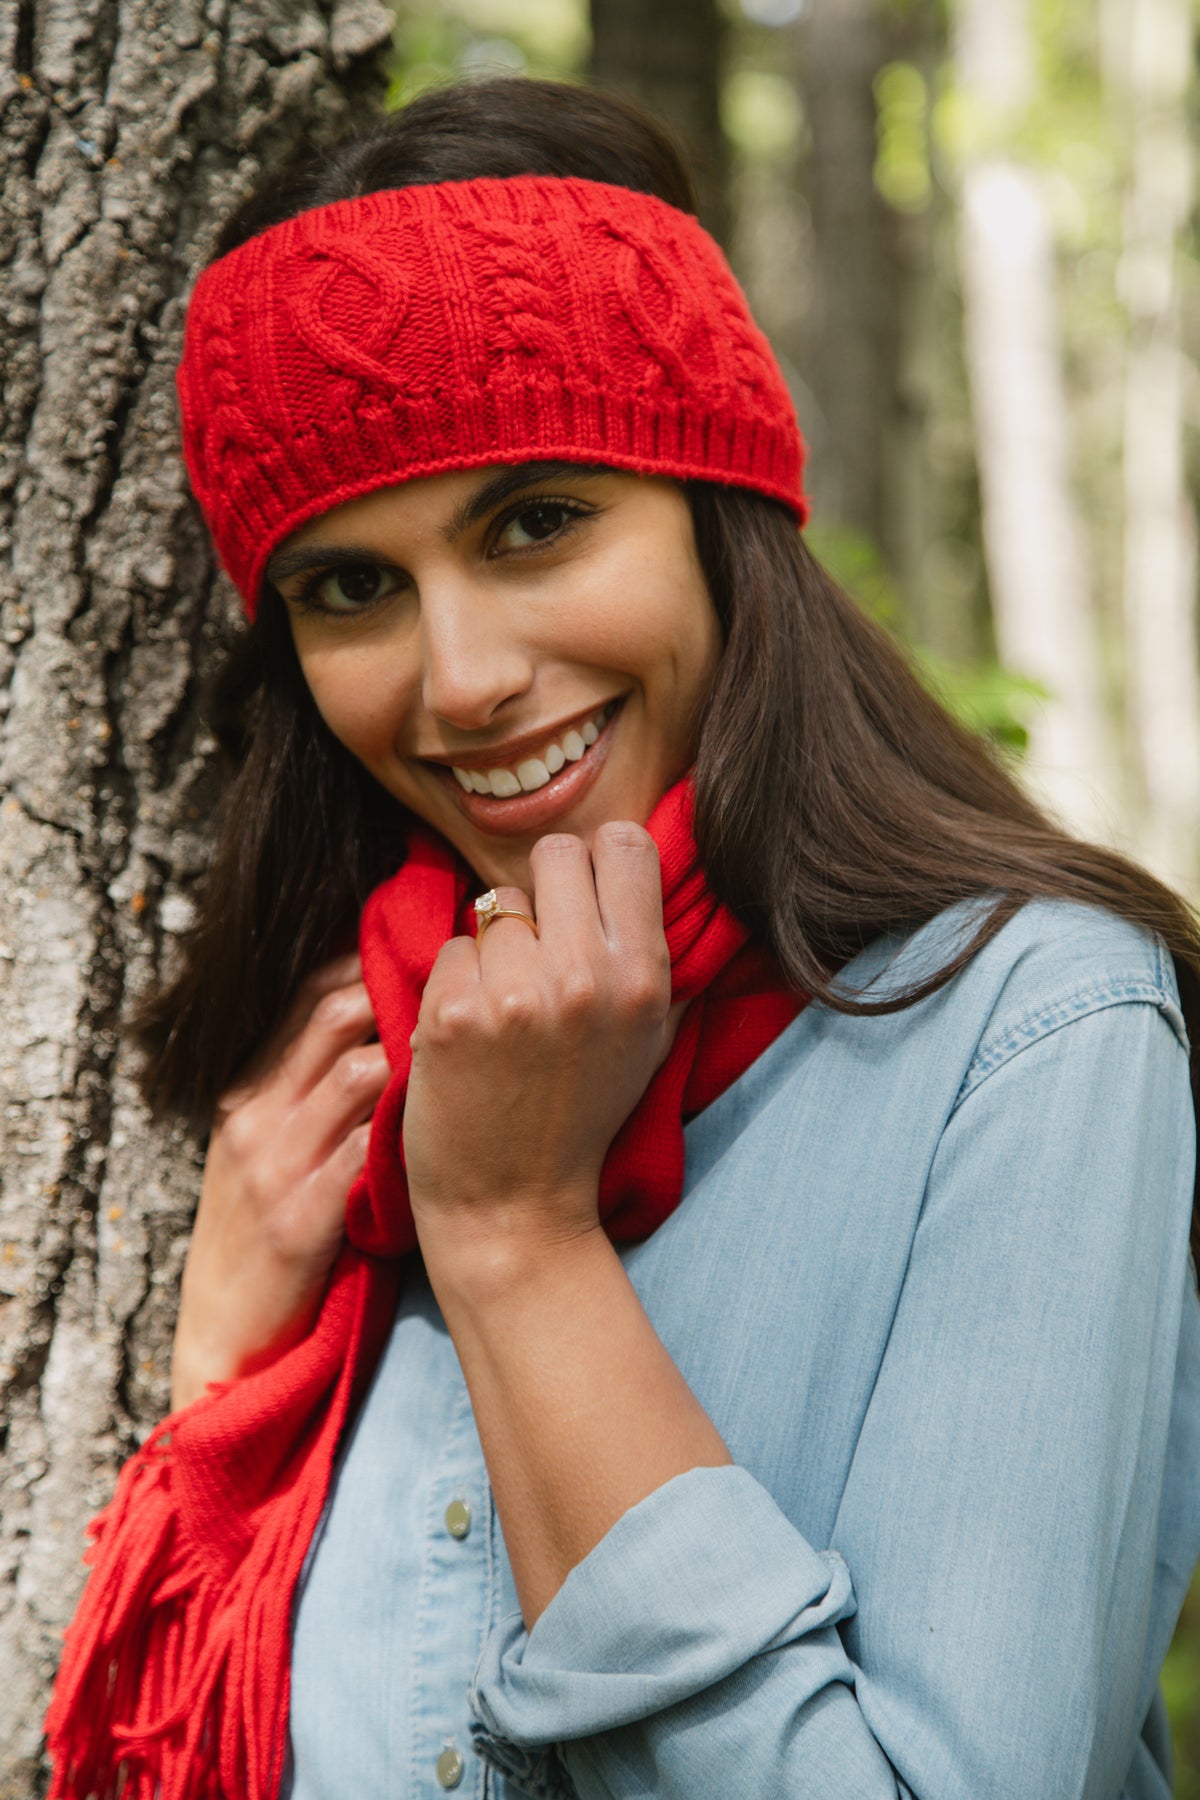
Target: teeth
532,774
534,771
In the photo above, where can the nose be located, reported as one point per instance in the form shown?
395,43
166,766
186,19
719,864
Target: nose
473,661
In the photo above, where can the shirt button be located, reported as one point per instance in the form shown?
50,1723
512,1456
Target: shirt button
458,1518
449,1768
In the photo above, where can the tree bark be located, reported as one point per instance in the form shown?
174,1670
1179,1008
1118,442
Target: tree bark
129,129
669,57
1034,543
1149,68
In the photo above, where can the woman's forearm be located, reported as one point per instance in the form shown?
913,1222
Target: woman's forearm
581,1411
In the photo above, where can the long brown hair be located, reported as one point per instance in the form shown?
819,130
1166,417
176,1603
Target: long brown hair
879,809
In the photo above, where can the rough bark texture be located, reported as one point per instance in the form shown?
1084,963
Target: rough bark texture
668,56
129,129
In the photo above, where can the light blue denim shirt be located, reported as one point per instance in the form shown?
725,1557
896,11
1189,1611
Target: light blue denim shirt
930,1280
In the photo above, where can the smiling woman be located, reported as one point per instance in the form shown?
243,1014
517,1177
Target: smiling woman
508,652
669,1324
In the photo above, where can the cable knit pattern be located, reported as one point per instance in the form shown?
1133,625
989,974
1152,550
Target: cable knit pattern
423,329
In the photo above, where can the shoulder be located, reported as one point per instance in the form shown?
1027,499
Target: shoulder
1060,961
1054,962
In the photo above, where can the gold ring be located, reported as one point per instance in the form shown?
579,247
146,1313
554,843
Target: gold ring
488,909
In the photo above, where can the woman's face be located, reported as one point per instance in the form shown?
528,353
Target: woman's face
511,650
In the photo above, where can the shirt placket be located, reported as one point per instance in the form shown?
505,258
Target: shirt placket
451,1619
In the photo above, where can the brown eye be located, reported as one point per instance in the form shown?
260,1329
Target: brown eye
535,524
355,585
352,589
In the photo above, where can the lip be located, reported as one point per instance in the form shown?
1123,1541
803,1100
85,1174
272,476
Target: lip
524,813
513,749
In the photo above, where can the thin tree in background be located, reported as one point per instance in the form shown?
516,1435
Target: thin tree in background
851,333
1033,537
130,129
669,56
1148,52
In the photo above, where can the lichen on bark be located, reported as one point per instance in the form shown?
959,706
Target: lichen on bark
128,131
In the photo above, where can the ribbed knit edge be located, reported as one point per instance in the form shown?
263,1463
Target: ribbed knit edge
256,489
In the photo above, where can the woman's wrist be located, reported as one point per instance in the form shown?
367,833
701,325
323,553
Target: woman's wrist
490,1254
581,1411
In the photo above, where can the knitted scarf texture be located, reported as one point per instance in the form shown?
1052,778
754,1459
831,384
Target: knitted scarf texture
174,1684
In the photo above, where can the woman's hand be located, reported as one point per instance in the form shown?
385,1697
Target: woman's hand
286,1145
530,1053
528,1056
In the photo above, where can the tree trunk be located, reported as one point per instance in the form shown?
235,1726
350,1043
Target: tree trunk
668,55
1149,66
851,353
129,130
1037,568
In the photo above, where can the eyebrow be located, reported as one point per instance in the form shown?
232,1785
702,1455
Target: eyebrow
319,556
506,482
503,484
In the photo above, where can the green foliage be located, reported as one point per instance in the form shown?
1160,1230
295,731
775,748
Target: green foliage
435,43
760,113
902,167
985,697
856,563
994,701
1181,1690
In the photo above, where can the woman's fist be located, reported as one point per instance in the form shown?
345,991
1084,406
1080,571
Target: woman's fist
530,1052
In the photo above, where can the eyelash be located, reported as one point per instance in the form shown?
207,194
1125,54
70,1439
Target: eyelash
305,600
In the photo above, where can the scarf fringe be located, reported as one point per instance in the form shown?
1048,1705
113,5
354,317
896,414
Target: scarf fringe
175,1678
164,1691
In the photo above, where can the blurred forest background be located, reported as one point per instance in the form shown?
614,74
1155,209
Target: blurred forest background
969,227
970,230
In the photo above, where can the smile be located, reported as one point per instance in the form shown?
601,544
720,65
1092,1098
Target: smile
533,791
533,772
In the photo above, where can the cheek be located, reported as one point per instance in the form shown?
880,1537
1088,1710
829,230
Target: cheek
644,614
357,702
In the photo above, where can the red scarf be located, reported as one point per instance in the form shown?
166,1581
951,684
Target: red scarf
174,1681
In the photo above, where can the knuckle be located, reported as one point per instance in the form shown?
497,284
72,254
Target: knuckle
518,1007
239,1134
335,1009
555,846
353,1071
444,1019
626,836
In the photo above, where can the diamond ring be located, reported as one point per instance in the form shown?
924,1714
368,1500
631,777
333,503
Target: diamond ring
488,909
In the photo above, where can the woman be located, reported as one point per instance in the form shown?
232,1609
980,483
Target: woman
869,1469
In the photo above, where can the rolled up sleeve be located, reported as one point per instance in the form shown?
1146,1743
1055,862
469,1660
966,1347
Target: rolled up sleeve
978,1624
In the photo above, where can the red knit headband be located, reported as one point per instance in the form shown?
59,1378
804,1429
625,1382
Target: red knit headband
422,329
